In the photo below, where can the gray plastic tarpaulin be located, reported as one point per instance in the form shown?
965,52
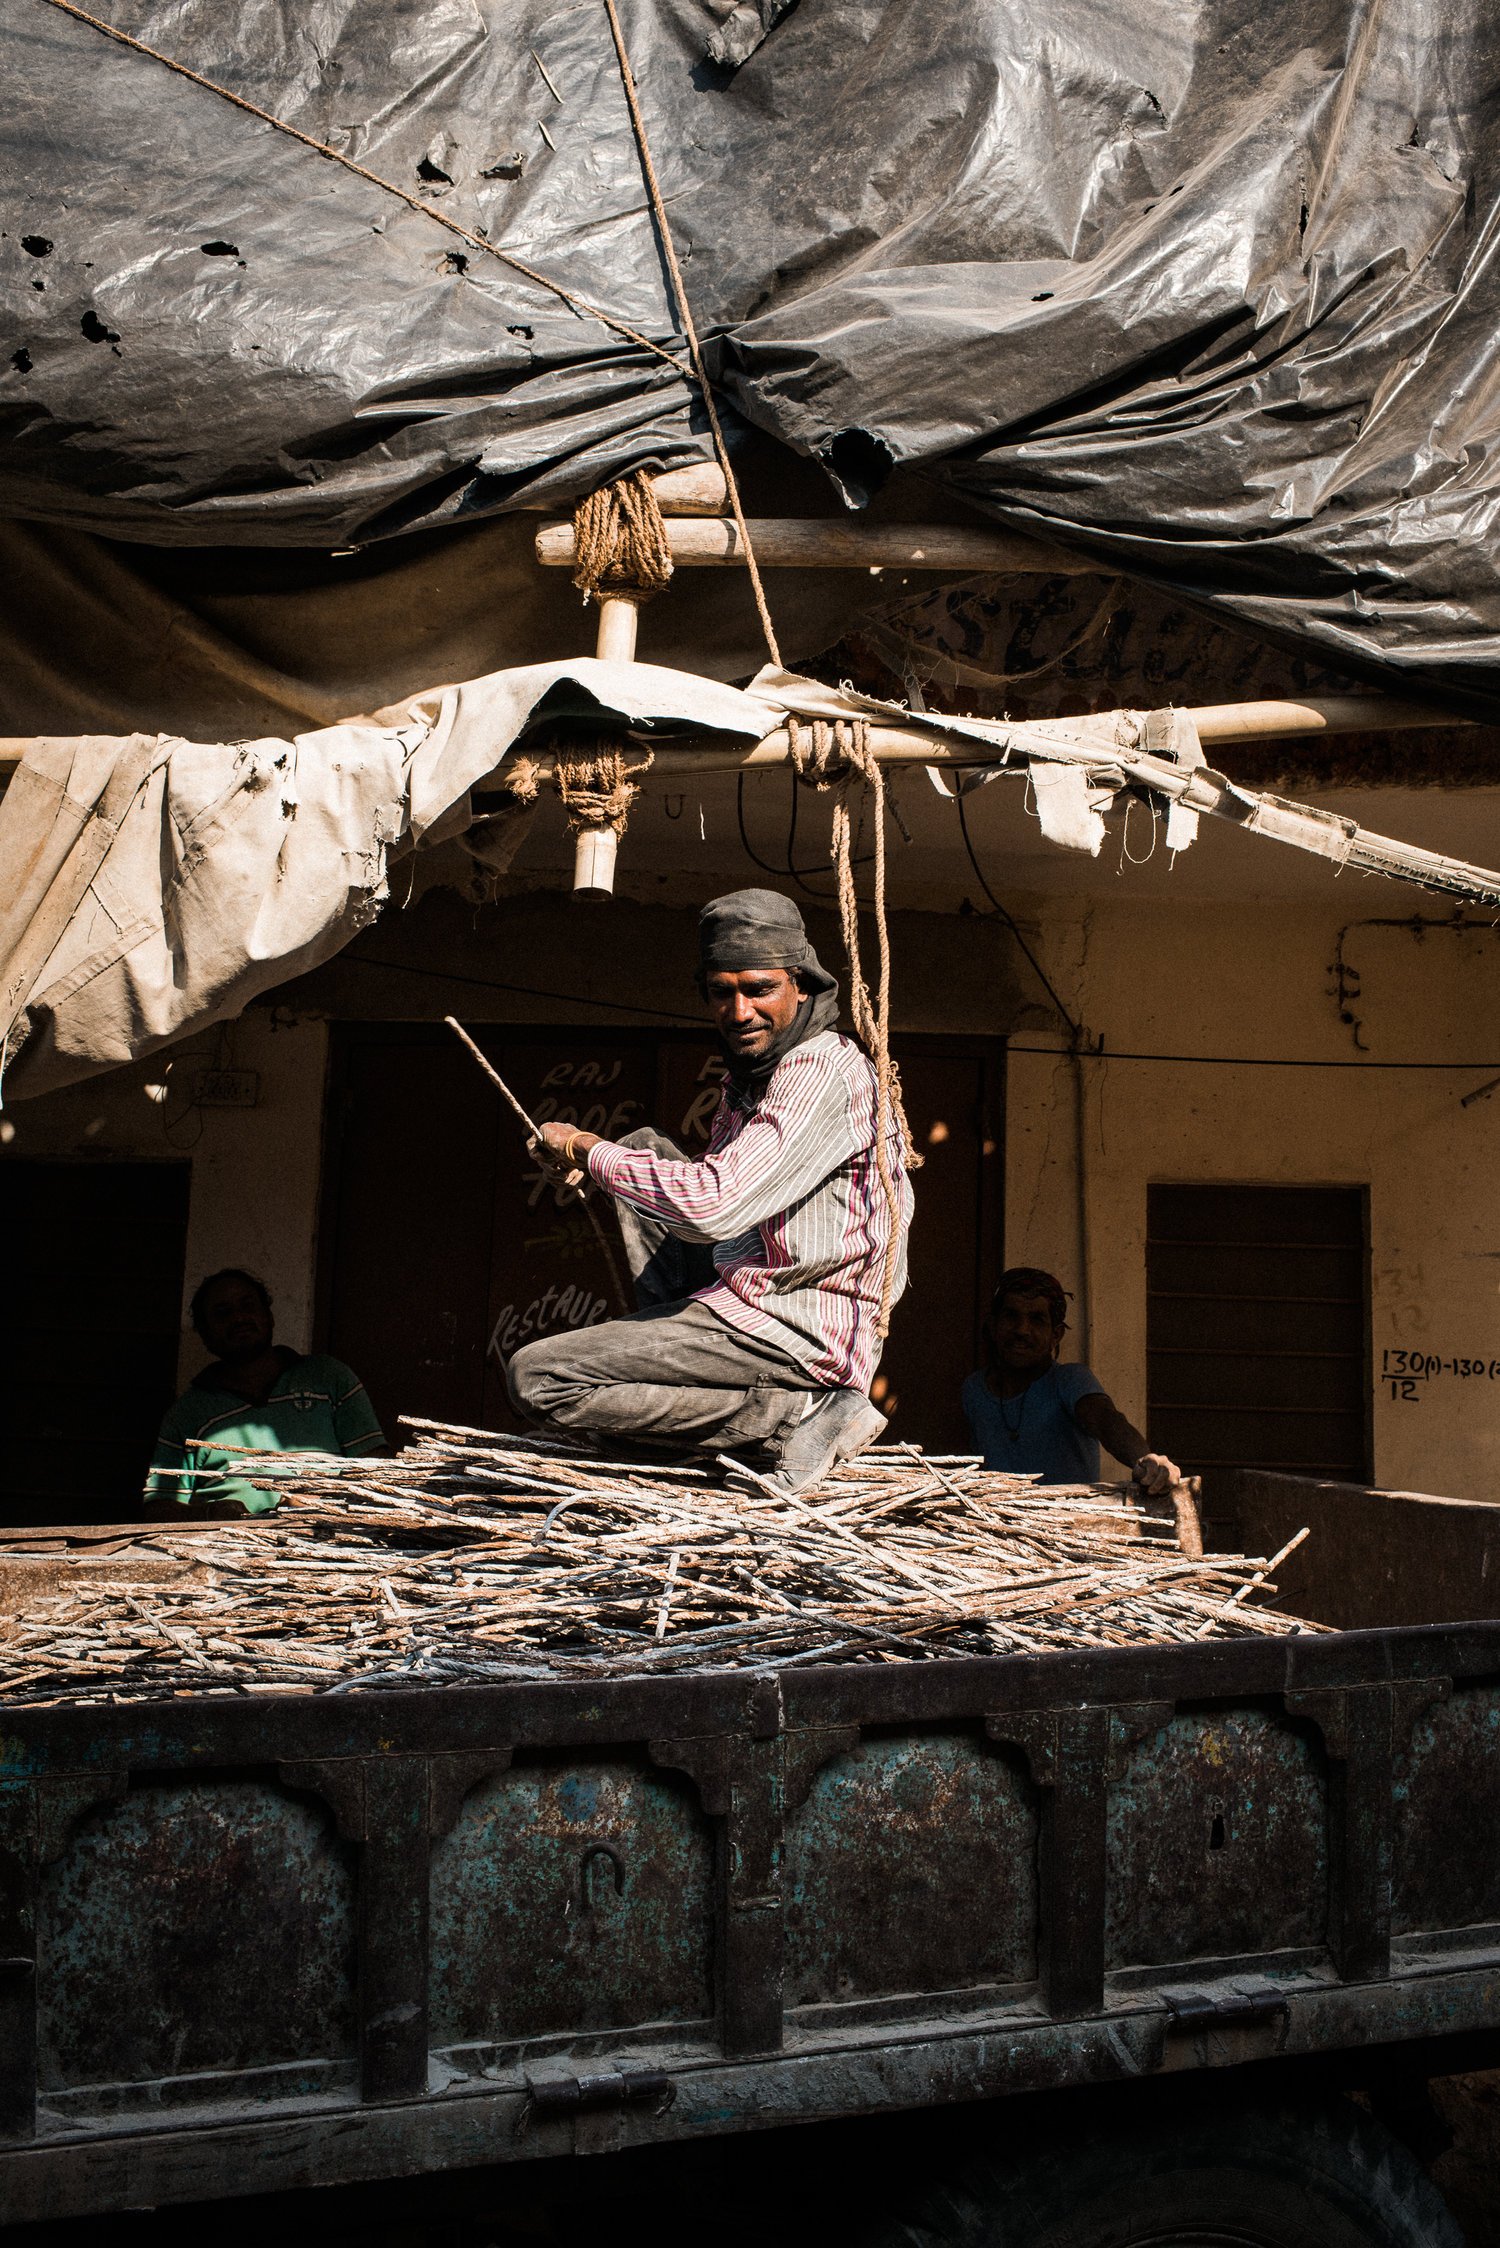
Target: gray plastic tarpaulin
1210,292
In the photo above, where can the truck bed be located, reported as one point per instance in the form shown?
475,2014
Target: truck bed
308,1939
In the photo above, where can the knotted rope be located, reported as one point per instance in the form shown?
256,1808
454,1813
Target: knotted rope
620,543
596,784
837,753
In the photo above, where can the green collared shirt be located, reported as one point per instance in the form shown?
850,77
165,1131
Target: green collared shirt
315,1404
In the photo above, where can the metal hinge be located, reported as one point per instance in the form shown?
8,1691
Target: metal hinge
1197,2009
566,2093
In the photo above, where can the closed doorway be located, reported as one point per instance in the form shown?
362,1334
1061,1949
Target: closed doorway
443,1250
1257,1328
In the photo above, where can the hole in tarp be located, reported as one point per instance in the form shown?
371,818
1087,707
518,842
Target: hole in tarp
505,167
1216,1832
22,361
93,327
431,172
220,249
454,261
519,328
859,464
36,245
1043,296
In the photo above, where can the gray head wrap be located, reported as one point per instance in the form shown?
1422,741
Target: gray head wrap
758,929
762,929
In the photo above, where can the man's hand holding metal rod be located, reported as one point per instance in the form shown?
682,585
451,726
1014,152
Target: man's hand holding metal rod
562,1150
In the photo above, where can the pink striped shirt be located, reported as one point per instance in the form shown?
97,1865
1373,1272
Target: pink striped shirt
789,1195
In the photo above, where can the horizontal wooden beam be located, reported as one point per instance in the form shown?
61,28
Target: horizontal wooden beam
1319,714
912,745
813,543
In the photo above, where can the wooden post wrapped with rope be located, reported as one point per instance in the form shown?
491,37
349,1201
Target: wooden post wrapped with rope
622,560
596,780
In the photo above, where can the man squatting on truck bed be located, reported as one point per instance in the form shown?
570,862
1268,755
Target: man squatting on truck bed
758,1267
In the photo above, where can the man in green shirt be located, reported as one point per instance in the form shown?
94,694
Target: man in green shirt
256,1393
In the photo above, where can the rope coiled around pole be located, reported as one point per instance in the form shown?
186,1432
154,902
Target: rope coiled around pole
596,782
620,546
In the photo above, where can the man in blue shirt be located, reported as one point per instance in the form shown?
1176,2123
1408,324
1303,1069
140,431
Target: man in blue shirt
1031,1416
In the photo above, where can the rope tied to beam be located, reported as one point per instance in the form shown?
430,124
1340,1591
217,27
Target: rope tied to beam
837,754
620,544
596,783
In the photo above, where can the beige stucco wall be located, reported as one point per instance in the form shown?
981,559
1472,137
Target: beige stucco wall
1254,980
255,1172
1239,979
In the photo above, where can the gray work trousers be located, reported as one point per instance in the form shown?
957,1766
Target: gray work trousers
673,1377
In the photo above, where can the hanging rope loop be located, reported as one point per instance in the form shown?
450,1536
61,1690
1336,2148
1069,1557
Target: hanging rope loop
838,754
823,751
597,780
620,545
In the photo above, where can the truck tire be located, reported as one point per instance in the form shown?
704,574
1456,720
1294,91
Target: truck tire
1324,2176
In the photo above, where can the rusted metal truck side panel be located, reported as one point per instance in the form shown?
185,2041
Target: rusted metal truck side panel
284,1940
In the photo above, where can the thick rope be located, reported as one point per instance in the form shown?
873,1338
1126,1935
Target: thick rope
685,311
620,541
595,783
838,754
375,179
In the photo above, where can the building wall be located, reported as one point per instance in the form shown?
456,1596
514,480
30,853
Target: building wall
538,959
1248,981
255,1171
1233,979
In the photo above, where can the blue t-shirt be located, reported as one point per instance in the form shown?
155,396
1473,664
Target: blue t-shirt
1035,1433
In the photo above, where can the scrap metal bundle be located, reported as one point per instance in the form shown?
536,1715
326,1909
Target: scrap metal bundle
482,1557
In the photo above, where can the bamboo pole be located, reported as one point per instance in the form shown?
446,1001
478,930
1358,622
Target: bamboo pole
821,543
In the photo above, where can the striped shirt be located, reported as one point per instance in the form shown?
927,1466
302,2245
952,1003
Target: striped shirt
789,1195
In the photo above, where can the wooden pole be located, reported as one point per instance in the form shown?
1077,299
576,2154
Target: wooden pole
822,544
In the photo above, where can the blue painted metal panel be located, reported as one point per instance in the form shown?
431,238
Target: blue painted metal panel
203,1923
571,1896
1217,1841
911,1866
1447,1869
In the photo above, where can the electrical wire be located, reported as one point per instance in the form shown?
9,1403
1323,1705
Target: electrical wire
1052,1053
1075,1028
527,991
791,872
1235,1061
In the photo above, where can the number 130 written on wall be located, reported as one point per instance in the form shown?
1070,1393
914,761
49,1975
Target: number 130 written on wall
1407,1372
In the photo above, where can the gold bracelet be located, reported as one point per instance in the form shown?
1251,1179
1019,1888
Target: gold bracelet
570,1149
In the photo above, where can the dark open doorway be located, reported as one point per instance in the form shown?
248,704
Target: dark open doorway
93,1267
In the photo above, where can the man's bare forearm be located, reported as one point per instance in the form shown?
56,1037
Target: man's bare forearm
1099,1416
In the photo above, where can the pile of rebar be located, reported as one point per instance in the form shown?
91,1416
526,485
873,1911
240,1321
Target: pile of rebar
474,1556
